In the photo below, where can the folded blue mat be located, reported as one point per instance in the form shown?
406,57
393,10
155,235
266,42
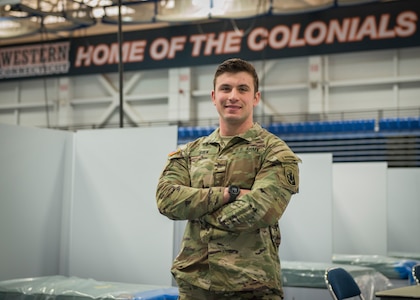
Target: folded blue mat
160,294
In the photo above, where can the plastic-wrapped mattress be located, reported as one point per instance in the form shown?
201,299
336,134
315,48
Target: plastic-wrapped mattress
391,267
405,255
74,288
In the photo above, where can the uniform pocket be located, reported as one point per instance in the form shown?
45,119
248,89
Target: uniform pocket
275,235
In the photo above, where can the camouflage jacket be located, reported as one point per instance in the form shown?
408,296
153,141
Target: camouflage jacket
234,246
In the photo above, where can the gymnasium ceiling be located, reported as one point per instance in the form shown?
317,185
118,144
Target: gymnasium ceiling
24,21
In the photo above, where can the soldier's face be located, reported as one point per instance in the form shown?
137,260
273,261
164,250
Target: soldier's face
234,97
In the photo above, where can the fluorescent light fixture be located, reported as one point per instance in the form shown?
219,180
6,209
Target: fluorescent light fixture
239,9
183,10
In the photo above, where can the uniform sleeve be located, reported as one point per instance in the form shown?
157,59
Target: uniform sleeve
274,185
176,199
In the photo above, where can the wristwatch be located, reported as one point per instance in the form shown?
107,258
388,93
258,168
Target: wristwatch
234,192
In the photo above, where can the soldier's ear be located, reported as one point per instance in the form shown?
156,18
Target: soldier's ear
257,98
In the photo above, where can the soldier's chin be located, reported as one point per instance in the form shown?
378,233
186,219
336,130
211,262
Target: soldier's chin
232,119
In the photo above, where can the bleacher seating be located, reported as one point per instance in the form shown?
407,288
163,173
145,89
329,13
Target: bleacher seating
396,140
407,123
191,132
322,127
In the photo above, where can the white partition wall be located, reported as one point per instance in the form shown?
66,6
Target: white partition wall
117,233
306,224
403,216
360,208
34,164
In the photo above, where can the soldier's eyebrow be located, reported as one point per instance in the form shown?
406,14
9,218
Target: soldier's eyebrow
224,86
241,86
244,86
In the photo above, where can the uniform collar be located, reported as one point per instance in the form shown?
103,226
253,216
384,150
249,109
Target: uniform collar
249,135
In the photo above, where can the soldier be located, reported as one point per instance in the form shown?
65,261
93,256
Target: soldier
232,186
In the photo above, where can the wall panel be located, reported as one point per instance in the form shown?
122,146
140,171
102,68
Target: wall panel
33,182
403,210
117,233
360,208
306,226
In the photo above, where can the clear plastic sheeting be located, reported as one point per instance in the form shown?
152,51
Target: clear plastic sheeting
61,287
311,275
391,267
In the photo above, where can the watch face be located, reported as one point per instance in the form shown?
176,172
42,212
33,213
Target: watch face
234,190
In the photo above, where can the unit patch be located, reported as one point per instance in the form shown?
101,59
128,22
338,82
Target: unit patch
290,175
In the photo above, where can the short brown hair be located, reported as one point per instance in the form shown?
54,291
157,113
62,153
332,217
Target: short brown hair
236,65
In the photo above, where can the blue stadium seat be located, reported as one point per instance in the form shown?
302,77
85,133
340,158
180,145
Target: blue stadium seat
319,126
406,123
274,128
337,126
186,132
415,123
181,133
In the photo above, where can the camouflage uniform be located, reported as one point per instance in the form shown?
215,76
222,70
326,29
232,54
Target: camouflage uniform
229,247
